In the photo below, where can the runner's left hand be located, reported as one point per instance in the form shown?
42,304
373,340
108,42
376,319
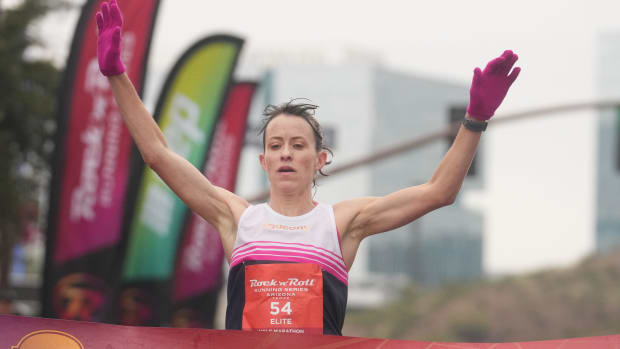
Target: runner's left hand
489,86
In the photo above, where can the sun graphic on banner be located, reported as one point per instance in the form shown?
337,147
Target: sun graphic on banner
48,339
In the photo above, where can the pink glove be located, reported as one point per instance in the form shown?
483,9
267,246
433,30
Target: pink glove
489,87
109,23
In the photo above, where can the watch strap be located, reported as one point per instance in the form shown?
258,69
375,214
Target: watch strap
476,126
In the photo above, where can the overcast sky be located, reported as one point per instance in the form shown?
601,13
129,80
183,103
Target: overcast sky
533,183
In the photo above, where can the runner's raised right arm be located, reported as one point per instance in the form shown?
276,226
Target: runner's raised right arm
218,206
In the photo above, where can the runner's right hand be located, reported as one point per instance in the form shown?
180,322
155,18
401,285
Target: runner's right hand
109,23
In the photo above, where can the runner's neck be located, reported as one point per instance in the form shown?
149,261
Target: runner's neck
291,208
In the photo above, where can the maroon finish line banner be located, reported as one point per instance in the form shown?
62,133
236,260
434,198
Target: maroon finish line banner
33,333
92,168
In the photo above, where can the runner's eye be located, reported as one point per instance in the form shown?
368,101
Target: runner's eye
298,146
274,146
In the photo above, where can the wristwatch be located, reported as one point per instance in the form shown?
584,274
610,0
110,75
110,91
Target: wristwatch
476,126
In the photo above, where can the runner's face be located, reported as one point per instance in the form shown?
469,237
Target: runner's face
290,157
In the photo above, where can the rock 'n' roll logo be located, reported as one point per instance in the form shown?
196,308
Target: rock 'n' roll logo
80,296
48,339
135,307
186,318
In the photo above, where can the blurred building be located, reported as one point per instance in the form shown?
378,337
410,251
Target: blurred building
608,138
365,108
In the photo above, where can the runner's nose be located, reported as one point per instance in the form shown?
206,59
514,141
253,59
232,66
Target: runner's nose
286,153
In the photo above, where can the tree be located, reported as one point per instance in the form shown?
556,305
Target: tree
28,90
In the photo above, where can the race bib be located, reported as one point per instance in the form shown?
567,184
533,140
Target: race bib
285,298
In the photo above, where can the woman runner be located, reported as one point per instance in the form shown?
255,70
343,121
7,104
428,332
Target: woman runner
289,258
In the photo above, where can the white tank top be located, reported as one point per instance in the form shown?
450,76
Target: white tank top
264,234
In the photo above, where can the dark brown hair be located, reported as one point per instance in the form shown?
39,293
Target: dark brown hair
302,110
